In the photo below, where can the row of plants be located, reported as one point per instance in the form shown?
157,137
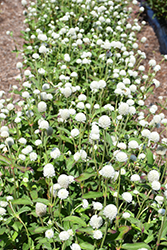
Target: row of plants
82,155
159,7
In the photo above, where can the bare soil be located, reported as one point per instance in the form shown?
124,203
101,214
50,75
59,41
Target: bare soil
11,19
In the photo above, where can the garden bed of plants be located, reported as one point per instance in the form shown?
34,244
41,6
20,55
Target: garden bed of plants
83,162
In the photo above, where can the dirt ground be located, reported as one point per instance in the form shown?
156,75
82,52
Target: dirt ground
11,19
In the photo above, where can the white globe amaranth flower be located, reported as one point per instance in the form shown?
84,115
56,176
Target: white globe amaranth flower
64,235
75,246
42,49
48,170
9,141
96,221
10,106
67,58
161,211
152,63
44,124
121,156
62,194
123,108
85,204
63,180
64,113
55,153
133,144
127,197
154,136
135,177
107,171
33,156
40,209
75,132
2,211
54,189
153,175
80,117
104,121
126,215
97,205
49,233
38,142
42,106
156,185
110,211
23,2
97,234
159,199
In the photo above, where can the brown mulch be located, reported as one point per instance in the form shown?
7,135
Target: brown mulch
11,19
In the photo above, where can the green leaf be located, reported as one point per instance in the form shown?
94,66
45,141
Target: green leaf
23,201
84,176
24,209
9,162
2,230
44,201
123,230
135,246
91,195
164,232
76,220
40,230
108,139
34,194
69,163
86,245
149,156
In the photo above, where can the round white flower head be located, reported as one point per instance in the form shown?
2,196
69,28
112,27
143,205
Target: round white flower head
40,209
133,144
54,189
63,181
159,199
43,124
123,108
80,117
156,185
33,156
121,156
42,106
48,170
22,140
74,132
107,171
143,248
154,136
2,211
97,205
104,121
97,234
127,197
38,142
135,177
3,203
153,175
96,221
9,198
62,194
9,141
75,246
49,233
64,235
126,215
55,153
161,211
110,211
85,203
